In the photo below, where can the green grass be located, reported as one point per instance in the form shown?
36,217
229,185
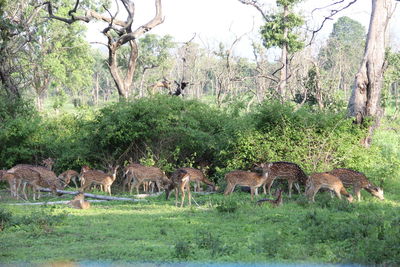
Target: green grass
329,231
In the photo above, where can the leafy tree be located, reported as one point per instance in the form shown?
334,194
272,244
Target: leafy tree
63,60
340,58
17,27
279,30
154,54
118,33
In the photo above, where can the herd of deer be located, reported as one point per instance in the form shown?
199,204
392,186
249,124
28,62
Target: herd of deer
22,176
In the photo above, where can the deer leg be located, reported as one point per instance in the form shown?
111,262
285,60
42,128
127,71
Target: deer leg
228,189
23,190
85,185
74,181
252,191
290,183
337,193
297,187
176,196
182,188
313,190
189,195
270,185
357,192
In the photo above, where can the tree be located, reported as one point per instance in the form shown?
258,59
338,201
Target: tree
365,99
279,31
341,56
154,55
17,27
62,59
118,33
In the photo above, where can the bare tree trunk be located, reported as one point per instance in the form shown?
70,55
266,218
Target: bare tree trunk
284,60
365,98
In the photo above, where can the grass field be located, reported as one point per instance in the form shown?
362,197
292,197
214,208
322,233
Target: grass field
219,230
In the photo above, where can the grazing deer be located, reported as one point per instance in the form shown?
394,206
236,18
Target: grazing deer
275,202
68,176
287,171
79,202
198,176
24,177
180,180
47,177
325,180
359,181
245,178
98,178
138,174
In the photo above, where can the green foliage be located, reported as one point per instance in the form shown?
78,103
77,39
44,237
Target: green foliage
314,139
19,123
227,205
5,218
391,78
162,126
273,29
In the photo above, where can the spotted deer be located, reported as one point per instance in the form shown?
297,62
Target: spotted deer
246,178
47,177
68,176
285,171
198,177
136,174
359,181
325,180
180,182
79,202
98,177
26,176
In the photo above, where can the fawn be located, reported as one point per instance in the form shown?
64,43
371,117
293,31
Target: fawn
68,176
180,180
79,202
288,171
198,176
246,178
325,180
275,202
98,177
359,181
138,174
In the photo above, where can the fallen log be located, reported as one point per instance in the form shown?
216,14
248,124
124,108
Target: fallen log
49,203
94,196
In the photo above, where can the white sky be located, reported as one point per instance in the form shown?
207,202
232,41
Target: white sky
216,21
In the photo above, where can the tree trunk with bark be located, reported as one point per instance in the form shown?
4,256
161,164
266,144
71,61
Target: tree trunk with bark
284,60
118,33
365,98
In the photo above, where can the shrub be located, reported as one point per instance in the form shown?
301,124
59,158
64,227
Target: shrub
5,218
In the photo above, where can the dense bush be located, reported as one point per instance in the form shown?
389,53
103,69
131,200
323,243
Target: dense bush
316,140
19,124
171,132
167,129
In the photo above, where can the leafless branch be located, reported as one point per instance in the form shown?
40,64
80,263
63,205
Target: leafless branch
255,4
333,12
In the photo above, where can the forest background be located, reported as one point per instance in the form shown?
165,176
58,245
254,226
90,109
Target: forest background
170,102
